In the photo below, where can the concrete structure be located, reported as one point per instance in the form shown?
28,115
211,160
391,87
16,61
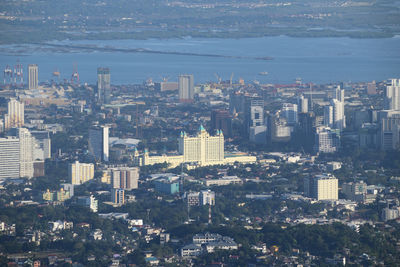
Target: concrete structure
9,157
302,103
327,140
42,146
221,120
392,95
186,87
200,150
103,86
33,76
90,202
389,130
80,173
99,143
15,115
289,112
167,185
26,145
125,177
321,187
207,197
118,196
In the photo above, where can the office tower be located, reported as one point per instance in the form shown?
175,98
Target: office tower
327,140
98,143
15,115
338,94
321,187
389,134
118,196
392,95
289,112
27,144
103,86
278,129
43,145
302,103
80,173
89,202
222,120
254,112
33,76
339,119
9,157
186,88
125,177
328,116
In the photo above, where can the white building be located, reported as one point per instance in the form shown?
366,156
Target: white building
15,115
207,197
289,112
186,87
9,157
27,146
90,202
42,146
302,103
327,140
80,173
33,79
99,143
321,187
392,95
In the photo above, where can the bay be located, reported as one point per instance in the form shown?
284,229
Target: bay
317,60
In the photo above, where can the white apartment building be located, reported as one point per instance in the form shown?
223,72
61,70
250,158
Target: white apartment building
80,173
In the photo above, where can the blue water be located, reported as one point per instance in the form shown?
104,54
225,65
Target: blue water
318,60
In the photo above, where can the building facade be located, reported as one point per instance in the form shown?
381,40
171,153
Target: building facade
99,143
322,187
103,86
392,95
125,177
80,173
186,87
15,115
33,76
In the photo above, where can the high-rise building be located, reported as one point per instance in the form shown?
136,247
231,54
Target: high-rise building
118,196
99,143
27,146
9,157
327,140
202,148
103,86
302,103
321,187
15,115
222,120
338,94
80,173
186,88
89,202
33,79
289,112
125,177
389,134
392,95
43,145
334,115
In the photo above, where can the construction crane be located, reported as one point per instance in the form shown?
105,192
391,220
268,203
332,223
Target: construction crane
7,75
218,78
18,74
231,78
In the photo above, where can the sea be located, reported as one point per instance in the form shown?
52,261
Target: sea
316,60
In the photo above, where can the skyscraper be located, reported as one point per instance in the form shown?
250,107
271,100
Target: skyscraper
338,94
392,95
27,145
327,140
222,120
15,116
289,112
302,103
103,86
186,87
9,157
33,76
118,196
98,143
339,119
125,177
